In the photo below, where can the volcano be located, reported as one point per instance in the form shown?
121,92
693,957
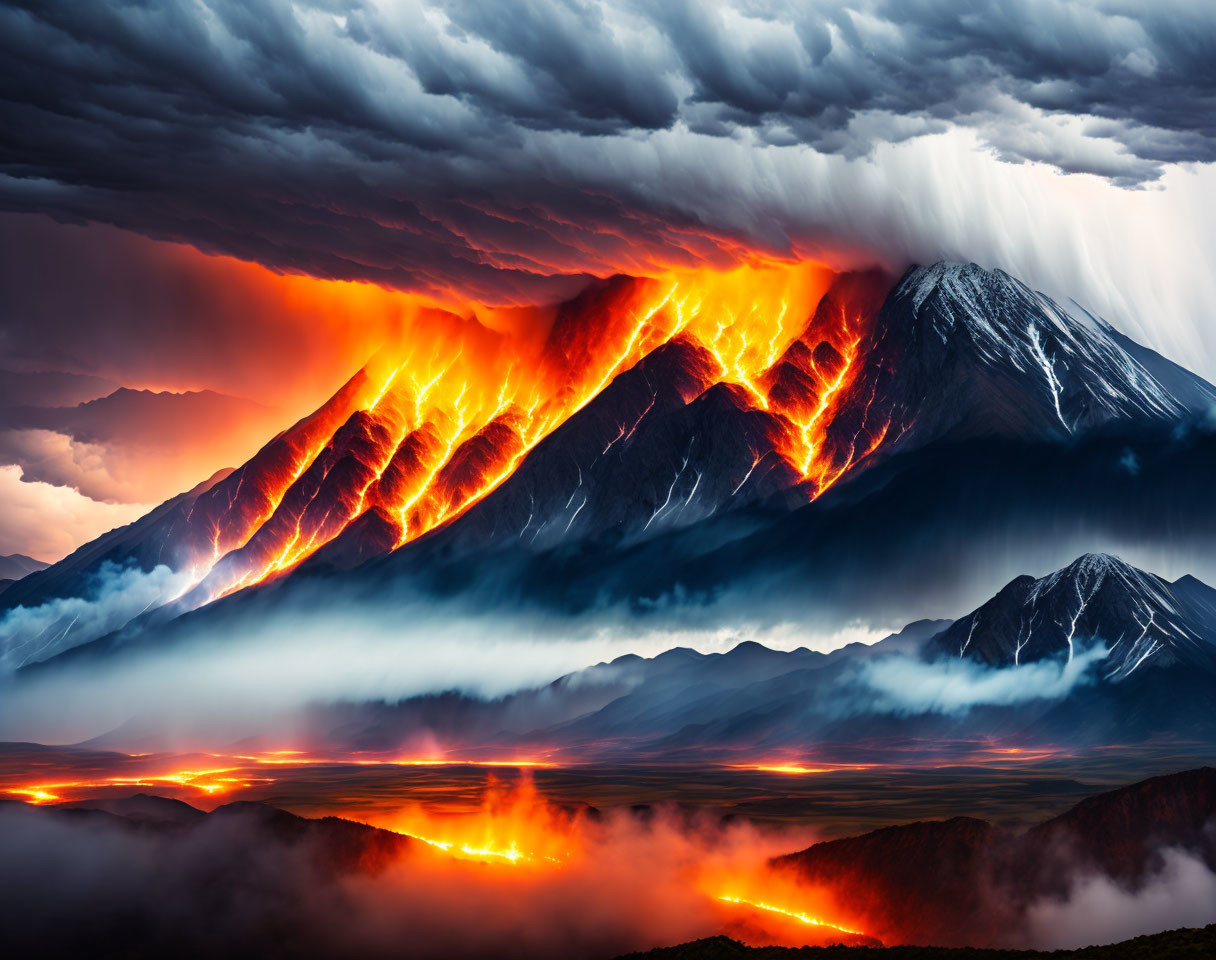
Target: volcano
651,412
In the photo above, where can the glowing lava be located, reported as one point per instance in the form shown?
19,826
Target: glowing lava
514,826
426,431
797,915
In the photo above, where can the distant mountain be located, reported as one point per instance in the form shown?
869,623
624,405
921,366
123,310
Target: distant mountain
1158,679
677,469
1145,621
982,878
148,417
17,565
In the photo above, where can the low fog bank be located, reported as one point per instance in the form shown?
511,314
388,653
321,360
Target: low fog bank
1099,910
437,678
223,674
951,686
242,881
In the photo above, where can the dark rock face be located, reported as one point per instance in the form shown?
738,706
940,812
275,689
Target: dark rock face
952,353
915,883
1121,834
961,351
962,881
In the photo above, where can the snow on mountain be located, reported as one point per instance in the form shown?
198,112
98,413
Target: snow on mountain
1098,598
960,350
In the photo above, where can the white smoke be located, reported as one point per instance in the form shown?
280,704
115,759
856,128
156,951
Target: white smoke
905,685
115,596
1098,910
214,681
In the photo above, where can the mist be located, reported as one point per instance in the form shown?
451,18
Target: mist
1099,910
225,674
235,885
907,685
114,595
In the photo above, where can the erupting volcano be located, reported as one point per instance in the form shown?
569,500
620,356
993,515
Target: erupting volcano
576,480
433,425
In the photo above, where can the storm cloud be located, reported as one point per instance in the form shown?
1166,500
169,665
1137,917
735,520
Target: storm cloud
508,150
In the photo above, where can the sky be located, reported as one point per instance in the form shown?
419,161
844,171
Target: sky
226,206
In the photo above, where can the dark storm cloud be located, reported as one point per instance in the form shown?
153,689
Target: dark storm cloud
447,144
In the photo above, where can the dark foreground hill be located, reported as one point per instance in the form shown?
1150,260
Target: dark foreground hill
1186,944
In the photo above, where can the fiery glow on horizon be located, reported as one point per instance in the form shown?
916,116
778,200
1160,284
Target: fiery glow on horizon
241,773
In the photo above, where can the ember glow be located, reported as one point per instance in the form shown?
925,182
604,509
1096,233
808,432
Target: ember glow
517,828
797,915
514,826
440,419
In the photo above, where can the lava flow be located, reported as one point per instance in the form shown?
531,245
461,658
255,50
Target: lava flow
517,829
428,429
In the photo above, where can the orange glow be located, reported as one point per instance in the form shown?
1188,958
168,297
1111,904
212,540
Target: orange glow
514,826
206,782
240,772
797,915
34,794
444,414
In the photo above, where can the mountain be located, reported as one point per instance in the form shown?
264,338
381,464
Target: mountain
961,351
17,565
658,437
1147,622
983,878
1159,680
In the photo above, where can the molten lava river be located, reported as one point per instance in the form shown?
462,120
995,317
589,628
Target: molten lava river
440,419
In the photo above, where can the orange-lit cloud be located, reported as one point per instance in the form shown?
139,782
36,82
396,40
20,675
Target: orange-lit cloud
26,507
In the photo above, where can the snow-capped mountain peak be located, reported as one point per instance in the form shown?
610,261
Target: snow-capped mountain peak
994,336
1098,599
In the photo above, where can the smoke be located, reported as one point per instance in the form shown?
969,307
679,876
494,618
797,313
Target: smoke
1098,910
113,596
506,153
226,885
904,685
240,672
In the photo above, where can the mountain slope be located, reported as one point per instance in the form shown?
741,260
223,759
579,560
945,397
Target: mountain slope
984,878
651,412
1097,598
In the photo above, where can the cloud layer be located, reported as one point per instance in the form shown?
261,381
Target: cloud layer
502,150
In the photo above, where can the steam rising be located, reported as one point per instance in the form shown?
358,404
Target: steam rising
636,883
1097,910
114,596
904,685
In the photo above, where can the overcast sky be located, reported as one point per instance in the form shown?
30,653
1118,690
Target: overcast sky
505,151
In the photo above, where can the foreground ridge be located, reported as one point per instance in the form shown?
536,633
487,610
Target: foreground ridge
1184,944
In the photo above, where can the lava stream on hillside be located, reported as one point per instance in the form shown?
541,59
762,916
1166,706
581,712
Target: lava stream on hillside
722,870
433,425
